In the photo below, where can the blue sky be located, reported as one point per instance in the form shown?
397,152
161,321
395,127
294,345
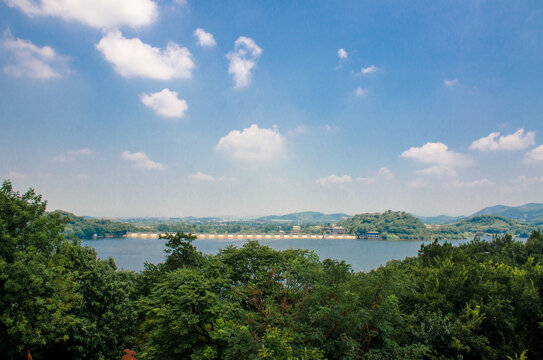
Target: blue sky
245,108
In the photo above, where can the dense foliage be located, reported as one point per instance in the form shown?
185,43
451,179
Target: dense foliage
485,224
82,228
479,300
56,299
392,225
395,225
306,217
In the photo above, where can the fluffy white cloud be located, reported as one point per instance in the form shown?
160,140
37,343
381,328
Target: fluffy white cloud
28,60
360,92
386,173
199,176
204,38
335,180
342,53
253,143
71,155
165,103
134,58
438,154
243,60
94,13
535,155
450,83
516,141
142,161
369,70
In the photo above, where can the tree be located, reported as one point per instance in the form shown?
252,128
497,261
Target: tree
56,298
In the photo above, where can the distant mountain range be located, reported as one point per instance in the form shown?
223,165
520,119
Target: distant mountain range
306,217
532,213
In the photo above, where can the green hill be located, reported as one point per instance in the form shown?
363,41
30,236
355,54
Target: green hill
395,225
485,225
532,212
392,225
86,228
306,217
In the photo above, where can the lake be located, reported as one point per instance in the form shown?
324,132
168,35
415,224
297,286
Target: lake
363,255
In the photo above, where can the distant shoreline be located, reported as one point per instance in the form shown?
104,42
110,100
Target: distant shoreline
246,236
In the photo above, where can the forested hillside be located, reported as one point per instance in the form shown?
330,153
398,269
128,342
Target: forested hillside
485,224
480,300
87,228
532,212
392,225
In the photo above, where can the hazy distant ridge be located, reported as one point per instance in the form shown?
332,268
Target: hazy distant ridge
439,220
532,212
306,217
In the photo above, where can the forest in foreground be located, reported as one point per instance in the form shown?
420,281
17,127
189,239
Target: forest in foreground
478,300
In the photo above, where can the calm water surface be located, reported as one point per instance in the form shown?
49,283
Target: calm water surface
363,255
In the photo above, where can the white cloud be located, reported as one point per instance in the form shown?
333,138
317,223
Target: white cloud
449,183
243,60
528,181
438,171
473,183
165,103
383,173
366,180
386,173
369,70
253,143
133,58
450,83
516,141
29,60
94,13
438,154
142,161
335,180
204,38
201,177
71,155
298,130
342,54
360,92
535,155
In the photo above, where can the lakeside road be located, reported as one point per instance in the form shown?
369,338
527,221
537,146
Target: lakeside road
246,236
